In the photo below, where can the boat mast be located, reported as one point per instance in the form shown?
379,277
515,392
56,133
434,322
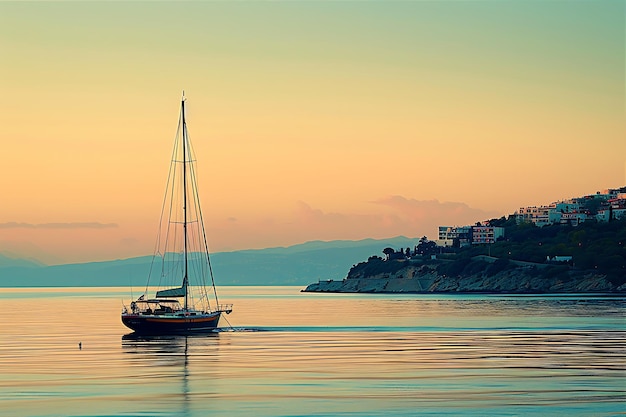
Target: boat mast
185,277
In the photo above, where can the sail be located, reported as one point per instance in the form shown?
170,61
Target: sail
181,247
182,250
171,292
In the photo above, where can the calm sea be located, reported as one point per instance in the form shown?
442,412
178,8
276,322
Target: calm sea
295,354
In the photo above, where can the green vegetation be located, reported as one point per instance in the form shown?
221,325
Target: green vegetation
375,265
593,246
600,247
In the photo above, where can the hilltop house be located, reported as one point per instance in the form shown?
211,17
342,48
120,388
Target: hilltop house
486,234
460,236
602,206
457,236
616,209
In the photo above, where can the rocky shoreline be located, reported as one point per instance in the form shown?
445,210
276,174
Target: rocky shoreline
415,279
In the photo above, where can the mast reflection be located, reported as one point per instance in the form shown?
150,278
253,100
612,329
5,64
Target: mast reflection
172,357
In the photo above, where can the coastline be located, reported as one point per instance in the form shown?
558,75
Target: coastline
413,280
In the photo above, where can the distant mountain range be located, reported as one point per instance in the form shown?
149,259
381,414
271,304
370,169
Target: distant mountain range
293,265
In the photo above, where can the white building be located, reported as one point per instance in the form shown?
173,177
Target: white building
574,218
616,209
540,216
449,235
468,235
486,234
558,259
563,212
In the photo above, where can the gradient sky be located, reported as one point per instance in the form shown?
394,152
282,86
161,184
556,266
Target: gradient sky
310,120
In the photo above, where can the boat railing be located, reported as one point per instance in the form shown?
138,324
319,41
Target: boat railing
224,308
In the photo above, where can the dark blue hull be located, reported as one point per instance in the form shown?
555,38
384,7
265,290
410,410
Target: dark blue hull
171,324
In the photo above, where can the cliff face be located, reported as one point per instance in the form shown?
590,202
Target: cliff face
412,279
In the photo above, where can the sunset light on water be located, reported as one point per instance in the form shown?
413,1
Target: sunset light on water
292,354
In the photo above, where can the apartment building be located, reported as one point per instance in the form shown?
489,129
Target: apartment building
615,210
454,236
468,235
540,216
607,204
486,234
574,218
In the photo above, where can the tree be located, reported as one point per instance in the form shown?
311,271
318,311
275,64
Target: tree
426,247
388,252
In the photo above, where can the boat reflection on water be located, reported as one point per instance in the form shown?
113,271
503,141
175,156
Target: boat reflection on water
171,349
173,365
164,343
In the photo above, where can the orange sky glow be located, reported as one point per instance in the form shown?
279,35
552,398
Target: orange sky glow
310,120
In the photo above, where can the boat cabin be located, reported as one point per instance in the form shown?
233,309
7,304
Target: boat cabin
155,306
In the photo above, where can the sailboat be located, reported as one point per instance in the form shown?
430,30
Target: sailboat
181,268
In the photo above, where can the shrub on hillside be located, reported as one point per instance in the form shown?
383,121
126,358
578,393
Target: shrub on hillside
376,266
455,268
557,271
498,266
617,277
476,267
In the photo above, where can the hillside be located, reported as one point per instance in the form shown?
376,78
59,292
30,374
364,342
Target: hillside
517,264
11,260
480,275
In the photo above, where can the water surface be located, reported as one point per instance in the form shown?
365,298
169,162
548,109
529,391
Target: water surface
286,353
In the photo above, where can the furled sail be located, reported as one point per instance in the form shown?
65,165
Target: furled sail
171,292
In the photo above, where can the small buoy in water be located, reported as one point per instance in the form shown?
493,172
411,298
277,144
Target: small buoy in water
80,345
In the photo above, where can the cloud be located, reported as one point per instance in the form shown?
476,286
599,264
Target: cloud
397,216
75,225
455,213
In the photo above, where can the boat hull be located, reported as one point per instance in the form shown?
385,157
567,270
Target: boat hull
171,324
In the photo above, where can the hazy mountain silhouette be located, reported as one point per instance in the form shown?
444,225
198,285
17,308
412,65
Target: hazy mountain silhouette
293,265
10,260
